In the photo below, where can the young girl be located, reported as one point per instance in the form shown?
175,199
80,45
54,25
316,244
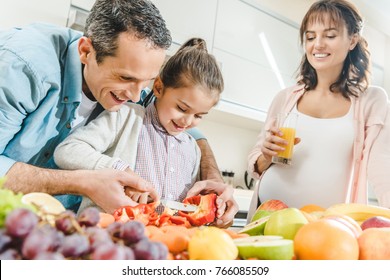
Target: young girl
343,123
152,141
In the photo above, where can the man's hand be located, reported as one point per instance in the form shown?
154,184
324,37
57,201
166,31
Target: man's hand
227,206
208,166
109,187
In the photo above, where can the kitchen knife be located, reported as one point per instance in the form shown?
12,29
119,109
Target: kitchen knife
178,205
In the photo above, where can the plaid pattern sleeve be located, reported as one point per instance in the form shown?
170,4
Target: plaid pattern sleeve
120,165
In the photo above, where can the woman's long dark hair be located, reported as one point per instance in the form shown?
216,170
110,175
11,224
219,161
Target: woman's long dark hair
354,77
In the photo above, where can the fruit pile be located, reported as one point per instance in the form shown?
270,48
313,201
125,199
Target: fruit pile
342,231
190,243
28,236
37,226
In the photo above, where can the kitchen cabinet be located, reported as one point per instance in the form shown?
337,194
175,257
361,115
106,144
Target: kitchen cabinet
252,34
21,12
83,4
259,53
187,19
248,84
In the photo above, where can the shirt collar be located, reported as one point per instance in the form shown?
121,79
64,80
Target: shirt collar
151,111
73,77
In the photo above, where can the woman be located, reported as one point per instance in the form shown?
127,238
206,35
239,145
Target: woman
343,126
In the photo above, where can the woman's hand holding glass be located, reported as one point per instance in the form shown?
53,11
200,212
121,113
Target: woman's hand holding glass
273,143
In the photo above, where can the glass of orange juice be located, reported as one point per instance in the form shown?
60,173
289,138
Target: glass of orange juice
286,122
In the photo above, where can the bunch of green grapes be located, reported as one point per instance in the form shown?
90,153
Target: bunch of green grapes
10,201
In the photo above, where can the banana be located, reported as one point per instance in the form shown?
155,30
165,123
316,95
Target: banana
358,212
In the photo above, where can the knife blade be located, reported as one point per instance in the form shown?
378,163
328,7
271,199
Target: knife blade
178,205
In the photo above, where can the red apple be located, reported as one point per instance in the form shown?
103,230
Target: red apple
272,205
375,222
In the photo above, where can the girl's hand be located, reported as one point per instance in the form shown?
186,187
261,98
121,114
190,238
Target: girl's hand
227,206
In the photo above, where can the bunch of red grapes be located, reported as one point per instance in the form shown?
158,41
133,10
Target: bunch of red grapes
26,236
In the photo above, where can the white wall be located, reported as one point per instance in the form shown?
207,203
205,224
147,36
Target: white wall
231,145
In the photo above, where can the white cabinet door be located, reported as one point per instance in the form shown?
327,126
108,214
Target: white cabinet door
83,4
189,18
252,34
21,12
259,53
247,83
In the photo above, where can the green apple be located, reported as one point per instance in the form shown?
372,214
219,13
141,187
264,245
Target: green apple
256,238
260,214
285,222
265,247
256,227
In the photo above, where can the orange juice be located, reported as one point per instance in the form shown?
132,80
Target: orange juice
286,122
289,135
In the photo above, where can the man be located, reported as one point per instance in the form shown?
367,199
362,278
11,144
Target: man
45,93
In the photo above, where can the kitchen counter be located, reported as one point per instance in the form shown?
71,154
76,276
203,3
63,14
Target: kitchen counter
243,199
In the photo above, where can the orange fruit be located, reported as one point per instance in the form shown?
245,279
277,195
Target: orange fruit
325,239
311,208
